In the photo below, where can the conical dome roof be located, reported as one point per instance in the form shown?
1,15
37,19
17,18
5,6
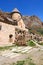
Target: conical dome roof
15,10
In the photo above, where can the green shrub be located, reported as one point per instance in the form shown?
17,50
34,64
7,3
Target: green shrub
30,63
30,43
40,31
20,62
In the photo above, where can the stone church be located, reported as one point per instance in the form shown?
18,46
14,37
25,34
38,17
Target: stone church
9,24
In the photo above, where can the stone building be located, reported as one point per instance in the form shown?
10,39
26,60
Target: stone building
9,23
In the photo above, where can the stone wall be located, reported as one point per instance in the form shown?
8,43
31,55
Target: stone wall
5,31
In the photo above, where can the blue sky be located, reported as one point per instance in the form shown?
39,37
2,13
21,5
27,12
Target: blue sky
26,7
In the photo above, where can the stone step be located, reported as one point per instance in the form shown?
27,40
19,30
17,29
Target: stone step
20,50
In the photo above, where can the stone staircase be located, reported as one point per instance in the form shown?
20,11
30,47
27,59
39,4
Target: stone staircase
17,51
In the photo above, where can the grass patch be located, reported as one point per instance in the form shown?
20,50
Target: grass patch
27,61
20,62
6,47
30,63
40,43
30,43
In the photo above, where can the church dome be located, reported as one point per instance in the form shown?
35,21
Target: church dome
16,14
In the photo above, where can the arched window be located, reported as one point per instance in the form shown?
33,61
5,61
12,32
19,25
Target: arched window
10,38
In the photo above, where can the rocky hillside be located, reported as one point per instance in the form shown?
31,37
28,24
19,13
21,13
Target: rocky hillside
32,22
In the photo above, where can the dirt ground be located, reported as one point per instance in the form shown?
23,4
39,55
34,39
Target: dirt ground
36,55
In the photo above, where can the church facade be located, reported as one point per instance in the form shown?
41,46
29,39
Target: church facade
9,24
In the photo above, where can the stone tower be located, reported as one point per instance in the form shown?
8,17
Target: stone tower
16,16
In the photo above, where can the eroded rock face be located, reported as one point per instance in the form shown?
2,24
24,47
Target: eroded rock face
32,21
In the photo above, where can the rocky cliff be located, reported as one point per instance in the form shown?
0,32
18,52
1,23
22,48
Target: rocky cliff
32,22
